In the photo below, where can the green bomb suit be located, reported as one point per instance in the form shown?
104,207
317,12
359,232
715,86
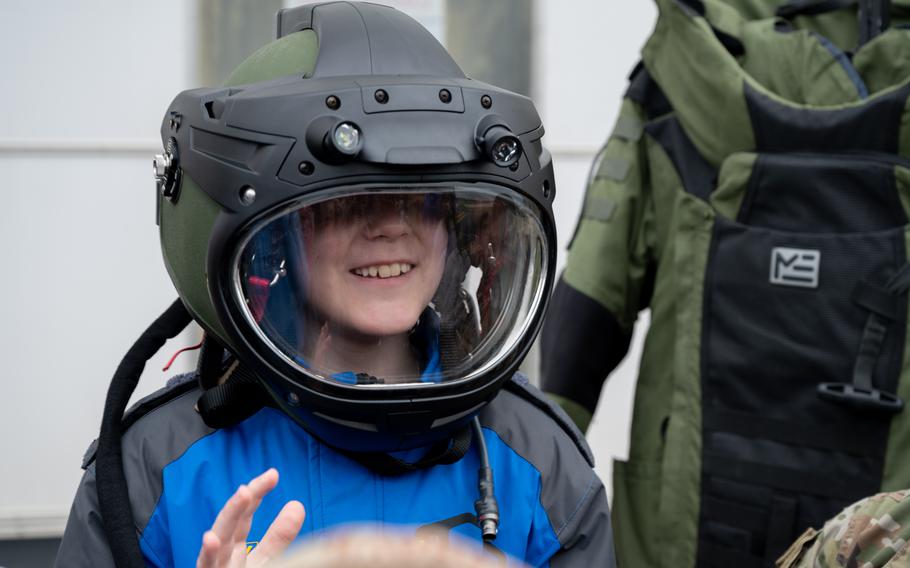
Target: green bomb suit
746,145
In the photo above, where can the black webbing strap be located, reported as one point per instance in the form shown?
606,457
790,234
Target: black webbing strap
233,401
861,393
787,479
113,493
821,437
644,91
876,299
795,8
874,17
698,176
446,451
725,512
211,362
870,345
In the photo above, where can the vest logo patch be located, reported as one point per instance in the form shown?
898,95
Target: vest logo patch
795,267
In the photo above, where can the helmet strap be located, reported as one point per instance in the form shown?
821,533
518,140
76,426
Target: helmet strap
211,362
232,401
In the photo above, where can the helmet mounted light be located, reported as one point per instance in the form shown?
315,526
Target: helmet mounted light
346,139
496,142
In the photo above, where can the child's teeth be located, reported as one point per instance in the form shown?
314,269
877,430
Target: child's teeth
384,270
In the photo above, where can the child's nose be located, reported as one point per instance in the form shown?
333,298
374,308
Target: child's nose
388,223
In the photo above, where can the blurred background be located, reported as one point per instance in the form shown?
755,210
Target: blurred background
86,85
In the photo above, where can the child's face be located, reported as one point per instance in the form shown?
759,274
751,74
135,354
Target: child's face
374,262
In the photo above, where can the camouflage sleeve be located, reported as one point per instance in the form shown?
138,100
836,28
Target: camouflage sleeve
872,533
607,276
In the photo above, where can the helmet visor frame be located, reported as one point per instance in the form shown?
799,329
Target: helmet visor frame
491,272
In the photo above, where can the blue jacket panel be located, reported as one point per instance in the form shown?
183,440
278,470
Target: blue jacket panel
180,473
336,490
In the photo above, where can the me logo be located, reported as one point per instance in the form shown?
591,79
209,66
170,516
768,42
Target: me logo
795,267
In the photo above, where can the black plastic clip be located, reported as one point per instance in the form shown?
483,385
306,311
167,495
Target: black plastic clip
167,171
883,304
860,398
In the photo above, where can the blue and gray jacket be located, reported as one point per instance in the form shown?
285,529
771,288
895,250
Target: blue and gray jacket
180,472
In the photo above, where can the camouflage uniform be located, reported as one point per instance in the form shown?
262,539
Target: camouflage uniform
871,533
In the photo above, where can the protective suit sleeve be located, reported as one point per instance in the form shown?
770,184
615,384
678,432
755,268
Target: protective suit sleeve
587,539
84,541
160,428
608,276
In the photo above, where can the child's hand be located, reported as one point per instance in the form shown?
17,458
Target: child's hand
225,544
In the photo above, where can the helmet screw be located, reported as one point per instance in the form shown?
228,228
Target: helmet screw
293,399
333,102
305,168
514,167
161,163
486,101
445,96
247,195
546,188
381,96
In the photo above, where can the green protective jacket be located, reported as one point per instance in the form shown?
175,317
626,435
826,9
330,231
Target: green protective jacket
754,195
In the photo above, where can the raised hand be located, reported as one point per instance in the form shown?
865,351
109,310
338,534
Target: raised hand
224,546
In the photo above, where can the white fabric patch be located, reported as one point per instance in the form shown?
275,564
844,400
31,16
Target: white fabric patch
795,267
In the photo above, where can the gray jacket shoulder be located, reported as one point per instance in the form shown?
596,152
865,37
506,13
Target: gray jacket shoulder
572,495
160,428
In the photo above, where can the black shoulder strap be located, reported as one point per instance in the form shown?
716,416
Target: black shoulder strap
644,91
113,493
520,385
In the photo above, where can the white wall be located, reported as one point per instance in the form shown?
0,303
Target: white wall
585,50
85,86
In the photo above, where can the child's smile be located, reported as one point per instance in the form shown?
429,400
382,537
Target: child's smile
373,263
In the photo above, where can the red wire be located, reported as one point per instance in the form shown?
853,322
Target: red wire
255,282
174,356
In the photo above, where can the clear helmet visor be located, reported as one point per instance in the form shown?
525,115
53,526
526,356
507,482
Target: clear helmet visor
394,286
